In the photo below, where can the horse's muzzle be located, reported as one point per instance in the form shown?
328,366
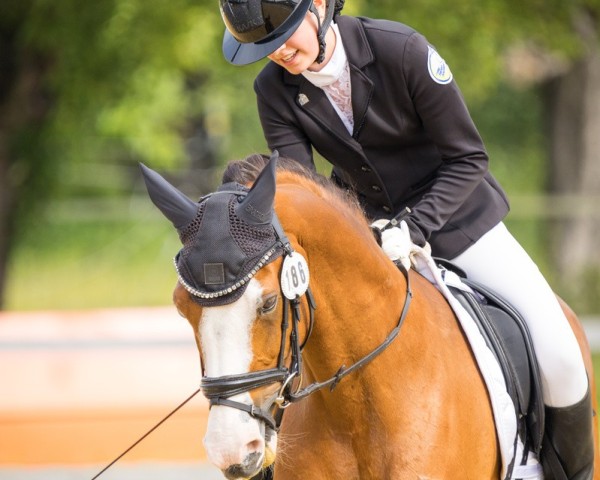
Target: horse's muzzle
251,465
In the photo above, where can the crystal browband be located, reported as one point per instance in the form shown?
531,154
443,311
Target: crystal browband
197,293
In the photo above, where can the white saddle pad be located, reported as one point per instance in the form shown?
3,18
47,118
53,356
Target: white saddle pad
502,406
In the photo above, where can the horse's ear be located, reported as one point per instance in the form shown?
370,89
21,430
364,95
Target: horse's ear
174,205
257,206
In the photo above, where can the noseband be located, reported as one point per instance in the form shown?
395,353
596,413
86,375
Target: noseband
218,390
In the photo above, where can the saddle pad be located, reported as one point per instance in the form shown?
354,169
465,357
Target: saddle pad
510,446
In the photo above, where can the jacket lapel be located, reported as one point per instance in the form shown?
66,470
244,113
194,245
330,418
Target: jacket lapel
359,55
314,101
362,91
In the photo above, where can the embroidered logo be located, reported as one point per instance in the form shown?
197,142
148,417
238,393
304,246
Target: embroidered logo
439,71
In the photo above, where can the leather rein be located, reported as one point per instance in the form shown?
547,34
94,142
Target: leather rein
218,390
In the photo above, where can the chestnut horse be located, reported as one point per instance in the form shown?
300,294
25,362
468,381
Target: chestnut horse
417,408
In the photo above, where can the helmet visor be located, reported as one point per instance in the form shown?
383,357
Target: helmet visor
256,28
251,21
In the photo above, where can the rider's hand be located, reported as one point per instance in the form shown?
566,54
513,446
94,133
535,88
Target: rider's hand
397,244
395,241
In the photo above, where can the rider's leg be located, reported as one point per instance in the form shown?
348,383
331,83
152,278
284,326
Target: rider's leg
499,262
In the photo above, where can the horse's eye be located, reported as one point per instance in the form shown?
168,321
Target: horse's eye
268,305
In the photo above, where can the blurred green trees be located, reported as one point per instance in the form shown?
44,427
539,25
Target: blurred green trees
109,83
88,90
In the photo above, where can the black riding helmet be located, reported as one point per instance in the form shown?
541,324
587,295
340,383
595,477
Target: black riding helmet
256,28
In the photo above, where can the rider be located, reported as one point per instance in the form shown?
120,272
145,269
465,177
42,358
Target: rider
376,100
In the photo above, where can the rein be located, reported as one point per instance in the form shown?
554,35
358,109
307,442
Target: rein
218,389
169,415
343,371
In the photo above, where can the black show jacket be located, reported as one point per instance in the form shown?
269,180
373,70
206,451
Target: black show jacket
414,143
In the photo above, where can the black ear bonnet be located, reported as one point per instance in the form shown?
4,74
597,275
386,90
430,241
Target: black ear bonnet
227,236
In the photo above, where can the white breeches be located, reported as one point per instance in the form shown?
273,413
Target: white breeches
498,261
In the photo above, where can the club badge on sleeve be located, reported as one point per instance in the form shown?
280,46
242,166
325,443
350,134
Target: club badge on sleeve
438,69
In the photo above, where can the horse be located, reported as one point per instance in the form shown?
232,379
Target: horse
368,362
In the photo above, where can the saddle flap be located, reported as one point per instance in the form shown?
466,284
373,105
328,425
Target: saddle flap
513,344
507,336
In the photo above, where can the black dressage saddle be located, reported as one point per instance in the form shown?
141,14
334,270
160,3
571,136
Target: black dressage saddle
508,337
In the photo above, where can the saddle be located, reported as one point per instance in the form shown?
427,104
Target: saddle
508,337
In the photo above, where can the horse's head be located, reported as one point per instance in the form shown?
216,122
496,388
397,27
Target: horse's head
235,270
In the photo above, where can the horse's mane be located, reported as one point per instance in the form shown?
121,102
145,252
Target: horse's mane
246,170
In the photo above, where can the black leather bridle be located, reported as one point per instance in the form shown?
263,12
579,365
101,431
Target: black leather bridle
218,390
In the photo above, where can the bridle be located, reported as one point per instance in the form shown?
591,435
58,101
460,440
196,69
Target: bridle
218,390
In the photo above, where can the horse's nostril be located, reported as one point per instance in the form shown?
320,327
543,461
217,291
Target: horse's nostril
235,472
253,460
251,466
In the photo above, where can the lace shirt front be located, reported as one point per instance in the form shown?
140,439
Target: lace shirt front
334,80
340,96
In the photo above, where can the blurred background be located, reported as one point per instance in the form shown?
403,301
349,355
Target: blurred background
92,354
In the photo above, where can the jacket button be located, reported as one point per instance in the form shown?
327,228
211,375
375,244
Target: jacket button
376,188
365,168
387,209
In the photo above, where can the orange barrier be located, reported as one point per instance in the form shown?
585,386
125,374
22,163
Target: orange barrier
81,387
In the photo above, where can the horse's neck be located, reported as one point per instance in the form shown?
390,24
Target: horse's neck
358,291
359,298
399,401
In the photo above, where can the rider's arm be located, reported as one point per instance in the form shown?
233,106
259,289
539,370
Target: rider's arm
279,124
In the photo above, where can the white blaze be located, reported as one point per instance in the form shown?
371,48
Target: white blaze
225,336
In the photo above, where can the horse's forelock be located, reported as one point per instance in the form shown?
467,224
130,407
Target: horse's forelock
246,170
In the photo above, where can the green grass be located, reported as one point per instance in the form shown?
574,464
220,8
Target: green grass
118,252
596,360
94,263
